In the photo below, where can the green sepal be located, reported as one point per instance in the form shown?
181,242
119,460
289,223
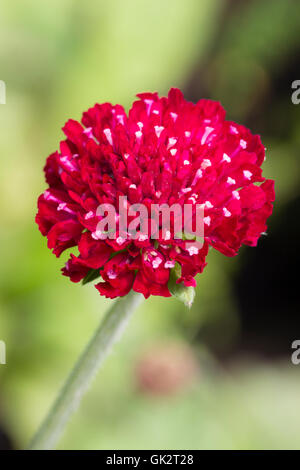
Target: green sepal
91,276
184,293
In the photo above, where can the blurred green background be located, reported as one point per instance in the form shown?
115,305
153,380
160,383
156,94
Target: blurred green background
220,375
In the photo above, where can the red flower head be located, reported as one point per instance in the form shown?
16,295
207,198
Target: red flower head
166,151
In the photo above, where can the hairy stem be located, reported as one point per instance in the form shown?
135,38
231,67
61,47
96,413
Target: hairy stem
84,371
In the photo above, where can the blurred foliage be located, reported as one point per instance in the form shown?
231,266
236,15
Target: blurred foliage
58,59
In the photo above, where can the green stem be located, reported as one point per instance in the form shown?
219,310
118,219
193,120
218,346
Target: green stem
84,371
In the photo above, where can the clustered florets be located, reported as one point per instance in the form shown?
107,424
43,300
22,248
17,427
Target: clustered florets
167,150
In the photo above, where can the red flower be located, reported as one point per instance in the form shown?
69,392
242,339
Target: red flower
167,150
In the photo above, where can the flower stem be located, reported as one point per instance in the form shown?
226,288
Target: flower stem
84,371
